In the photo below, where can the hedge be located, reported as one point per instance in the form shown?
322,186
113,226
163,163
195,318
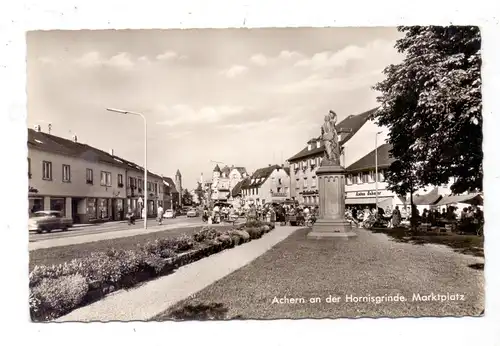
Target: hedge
58,289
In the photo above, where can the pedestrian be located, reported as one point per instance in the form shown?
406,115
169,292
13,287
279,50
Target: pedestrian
160,214
396,217
130,216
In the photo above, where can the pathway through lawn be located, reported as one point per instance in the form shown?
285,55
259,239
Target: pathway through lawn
369,265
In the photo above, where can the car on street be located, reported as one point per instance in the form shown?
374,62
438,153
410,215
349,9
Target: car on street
48,220
169,214
193,212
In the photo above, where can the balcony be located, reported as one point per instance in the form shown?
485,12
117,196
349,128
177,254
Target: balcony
278,194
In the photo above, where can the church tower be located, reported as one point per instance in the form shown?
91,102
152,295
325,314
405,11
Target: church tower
178,185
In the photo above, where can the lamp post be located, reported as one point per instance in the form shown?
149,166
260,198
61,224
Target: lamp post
376,170
145,159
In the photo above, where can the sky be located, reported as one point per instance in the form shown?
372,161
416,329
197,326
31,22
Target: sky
243,97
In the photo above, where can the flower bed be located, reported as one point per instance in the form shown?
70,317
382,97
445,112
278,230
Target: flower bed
57,290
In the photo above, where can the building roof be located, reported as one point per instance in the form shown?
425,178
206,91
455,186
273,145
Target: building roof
170,183
58,145
368,162
260,176
237,188
242,170
352,122
217,168
226,170
178,173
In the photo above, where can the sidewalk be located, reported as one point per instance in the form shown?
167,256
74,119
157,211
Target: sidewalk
154,297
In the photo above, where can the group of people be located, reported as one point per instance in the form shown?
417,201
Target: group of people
217,214
360,215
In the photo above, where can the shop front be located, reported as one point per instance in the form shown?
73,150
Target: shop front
370,198
59,204
36,203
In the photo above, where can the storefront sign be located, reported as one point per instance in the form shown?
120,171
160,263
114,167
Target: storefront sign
367,193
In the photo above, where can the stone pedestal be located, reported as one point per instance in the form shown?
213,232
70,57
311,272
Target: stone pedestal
331,222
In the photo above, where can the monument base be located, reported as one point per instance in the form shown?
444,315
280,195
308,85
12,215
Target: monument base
331,229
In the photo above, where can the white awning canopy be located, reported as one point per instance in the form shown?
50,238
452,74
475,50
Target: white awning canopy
471,198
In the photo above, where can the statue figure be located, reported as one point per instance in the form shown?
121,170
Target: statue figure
329,135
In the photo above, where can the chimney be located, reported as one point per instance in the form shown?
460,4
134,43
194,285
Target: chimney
111,152
269,165
38,128
75,138
50,128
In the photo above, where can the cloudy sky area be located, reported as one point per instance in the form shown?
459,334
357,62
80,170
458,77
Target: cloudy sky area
238,96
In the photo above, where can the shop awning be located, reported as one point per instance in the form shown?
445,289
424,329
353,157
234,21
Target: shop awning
471,198
368,200
428,199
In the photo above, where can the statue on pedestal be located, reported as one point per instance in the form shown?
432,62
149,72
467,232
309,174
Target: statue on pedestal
330,137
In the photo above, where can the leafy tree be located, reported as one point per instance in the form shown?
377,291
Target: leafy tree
187,199
431,103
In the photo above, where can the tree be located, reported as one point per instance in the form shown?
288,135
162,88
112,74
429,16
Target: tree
187,199
431,104
200,193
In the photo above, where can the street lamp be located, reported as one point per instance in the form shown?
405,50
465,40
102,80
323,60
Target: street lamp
376,170
145,159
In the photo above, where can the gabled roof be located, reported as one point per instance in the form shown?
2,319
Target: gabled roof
367,162
58,145
217,168
178,173
242,170
260,176
352,122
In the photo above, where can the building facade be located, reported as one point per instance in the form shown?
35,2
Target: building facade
304,164
367,188
83,182
267,185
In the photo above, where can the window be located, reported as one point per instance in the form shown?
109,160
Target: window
296,166
89,176
47,170
305,182
138,183
156,188
371,176
286,189
257,191
120,180
29,168
349,179
105,178
360,178
278,189
66,174
313,182
365,177
131,182
381,176
298,183
279,181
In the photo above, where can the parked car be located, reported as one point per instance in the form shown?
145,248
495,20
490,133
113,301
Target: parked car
193,212
169,214
48,220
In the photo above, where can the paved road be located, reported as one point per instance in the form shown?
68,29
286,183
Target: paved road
107,227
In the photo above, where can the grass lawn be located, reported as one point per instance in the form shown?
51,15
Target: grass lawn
368,265
462,243
61,254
